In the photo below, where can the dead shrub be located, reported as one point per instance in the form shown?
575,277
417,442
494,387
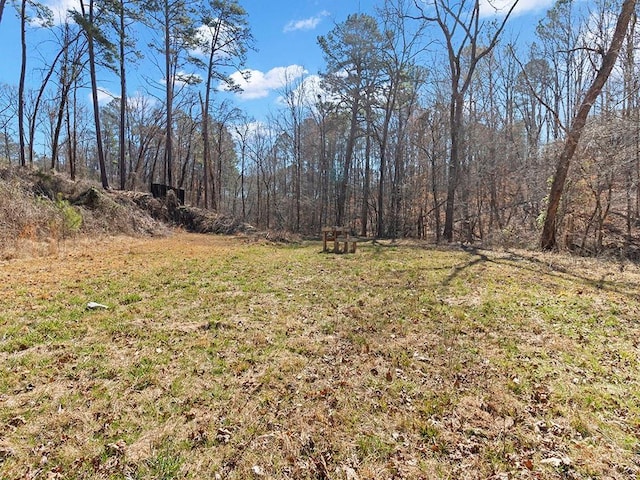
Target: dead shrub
24,216
38,210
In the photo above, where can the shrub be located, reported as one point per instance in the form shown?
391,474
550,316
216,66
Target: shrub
71,216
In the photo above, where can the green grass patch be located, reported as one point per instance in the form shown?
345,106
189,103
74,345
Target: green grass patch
249,359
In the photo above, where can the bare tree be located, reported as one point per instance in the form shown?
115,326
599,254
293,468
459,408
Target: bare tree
463,34
8,112
548,238
23,73
353,65
30,11
122,33
399,63
224,37
293,94
174,20
71,65
125,13
559,34
88,18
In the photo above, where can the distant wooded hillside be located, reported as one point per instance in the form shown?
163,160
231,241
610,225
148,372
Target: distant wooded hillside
415,129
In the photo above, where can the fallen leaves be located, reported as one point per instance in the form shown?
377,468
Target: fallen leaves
252,372
258,471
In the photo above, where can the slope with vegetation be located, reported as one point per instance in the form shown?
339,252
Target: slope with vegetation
40,211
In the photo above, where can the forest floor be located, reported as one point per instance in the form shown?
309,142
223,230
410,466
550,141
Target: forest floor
231,358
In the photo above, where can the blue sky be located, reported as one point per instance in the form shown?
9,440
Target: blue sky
285,33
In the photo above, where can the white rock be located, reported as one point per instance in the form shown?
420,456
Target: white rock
556,461
351,473
96,306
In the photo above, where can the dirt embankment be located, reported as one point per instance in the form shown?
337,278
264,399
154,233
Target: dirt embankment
39,210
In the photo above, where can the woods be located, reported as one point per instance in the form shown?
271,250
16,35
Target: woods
429,120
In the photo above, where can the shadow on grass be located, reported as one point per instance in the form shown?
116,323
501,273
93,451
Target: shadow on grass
457,269
514,259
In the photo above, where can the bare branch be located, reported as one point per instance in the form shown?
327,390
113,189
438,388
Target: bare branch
542,101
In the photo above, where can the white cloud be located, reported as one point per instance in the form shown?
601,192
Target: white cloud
186,78
260,84
307,92
250,130
60,9
136,101
183,78
501,7
104,96
305,24
204,35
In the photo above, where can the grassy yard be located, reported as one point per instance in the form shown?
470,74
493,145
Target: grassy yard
224,358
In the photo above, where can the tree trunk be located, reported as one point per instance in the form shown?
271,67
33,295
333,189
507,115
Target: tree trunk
169,78
455,119
94,95
206,152
383,165
397,220
243,192
2,2
217,181
38,100
436,199
7,144
324,171
70,143
548,238
364,217
55,139
346,168
206,123
297,139
72,133
123,103
23,70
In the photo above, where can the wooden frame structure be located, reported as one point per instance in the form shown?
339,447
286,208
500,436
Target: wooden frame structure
340,238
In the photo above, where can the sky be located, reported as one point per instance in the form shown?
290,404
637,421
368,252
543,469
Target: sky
285,33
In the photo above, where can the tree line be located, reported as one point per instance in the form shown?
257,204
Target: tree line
429,119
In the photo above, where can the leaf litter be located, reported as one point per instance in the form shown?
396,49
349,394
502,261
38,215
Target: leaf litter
226,358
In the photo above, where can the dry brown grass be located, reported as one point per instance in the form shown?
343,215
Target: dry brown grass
23,219
225,358
41,211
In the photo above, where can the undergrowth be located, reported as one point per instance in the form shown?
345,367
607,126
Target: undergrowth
40,211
